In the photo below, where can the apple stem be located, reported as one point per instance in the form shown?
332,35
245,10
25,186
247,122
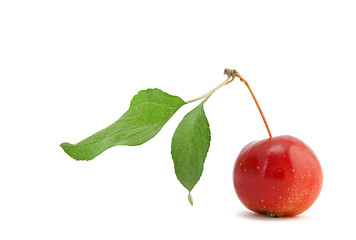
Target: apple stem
234,74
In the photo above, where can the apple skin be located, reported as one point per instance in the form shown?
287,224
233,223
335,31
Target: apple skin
279,176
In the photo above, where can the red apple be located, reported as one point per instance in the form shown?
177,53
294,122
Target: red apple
279,176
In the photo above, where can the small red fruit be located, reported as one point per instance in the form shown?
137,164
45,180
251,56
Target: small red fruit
280,176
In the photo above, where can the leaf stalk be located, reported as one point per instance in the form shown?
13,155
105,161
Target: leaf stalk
207,95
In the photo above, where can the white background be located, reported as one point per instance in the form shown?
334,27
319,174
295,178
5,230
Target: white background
70,68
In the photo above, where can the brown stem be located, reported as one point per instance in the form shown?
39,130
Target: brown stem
234,73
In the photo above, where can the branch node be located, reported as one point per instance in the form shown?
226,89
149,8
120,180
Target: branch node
231,72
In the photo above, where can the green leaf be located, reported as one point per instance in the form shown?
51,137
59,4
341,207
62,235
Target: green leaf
149,110
190,145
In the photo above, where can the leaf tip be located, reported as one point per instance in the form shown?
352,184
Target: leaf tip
190,199
69,149
66,146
